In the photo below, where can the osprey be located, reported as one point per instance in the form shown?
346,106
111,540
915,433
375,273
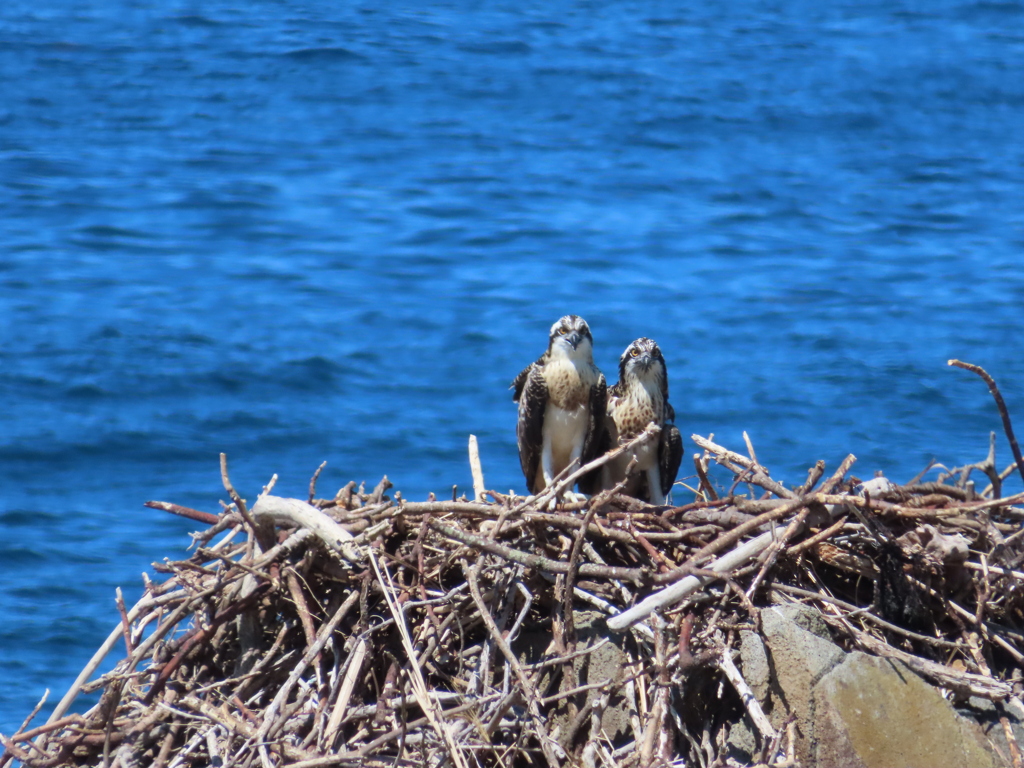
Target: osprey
561,403
640,397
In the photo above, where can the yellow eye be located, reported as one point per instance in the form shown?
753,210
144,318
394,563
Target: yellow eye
634,352
562,331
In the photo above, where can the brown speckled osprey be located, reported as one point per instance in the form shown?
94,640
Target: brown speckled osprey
638,398
561,403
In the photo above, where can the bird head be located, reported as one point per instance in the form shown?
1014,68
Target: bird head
570,336
642,360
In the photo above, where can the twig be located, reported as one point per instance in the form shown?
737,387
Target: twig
817,538
759,474
702,475
479,489
125,624
1001,405
176,509
757,715
235,498
313,479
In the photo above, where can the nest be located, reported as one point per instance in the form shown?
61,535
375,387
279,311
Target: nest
367,630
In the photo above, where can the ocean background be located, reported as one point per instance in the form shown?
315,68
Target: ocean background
298,232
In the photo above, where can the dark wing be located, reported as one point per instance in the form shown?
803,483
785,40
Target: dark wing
532,394
597,440
520,381
670,456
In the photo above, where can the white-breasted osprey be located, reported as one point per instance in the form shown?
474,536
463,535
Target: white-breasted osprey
638,398
561,404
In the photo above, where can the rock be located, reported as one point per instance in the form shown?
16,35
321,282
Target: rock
607,662
798,659
986,715
805,618
875,713
857,710
742,742
754,663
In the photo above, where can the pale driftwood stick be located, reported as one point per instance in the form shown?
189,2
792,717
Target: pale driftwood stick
753,455
300,513
757,715
313,479
269,486
994,569
348,684
474,466
689,584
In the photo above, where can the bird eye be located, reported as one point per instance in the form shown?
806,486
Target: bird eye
634,352
562,331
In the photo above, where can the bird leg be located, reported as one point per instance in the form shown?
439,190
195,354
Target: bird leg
547,463
654,486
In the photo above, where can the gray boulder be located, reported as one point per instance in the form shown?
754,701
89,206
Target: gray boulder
876,713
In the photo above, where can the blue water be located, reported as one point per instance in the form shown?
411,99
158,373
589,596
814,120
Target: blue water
298,233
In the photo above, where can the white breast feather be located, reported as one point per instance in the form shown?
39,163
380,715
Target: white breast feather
568,430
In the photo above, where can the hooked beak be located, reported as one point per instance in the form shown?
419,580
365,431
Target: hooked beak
573,339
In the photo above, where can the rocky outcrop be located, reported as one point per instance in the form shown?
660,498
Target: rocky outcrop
876,713
854,710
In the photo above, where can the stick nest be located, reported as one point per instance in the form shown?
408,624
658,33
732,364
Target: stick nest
366,630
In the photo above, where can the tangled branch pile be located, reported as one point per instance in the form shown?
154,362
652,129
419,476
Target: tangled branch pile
364,630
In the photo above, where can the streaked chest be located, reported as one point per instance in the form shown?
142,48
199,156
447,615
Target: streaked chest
569,384
634,410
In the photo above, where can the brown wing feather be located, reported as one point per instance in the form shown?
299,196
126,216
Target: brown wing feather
532,395
520,381
596,442
670,456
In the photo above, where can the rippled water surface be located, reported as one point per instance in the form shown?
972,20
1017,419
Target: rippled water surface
298,233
